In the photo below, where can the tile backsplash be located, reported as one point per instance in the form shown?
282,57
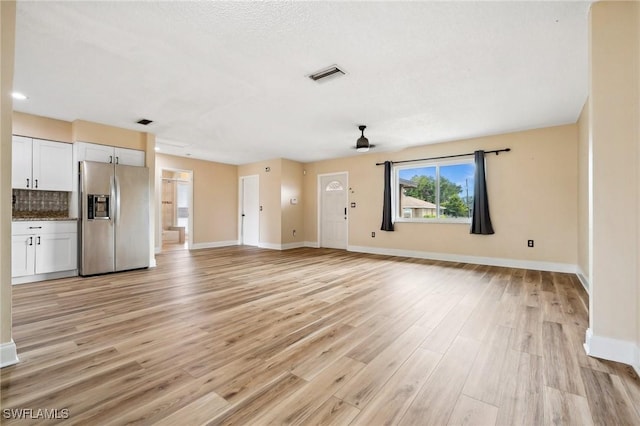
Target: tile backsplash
46,203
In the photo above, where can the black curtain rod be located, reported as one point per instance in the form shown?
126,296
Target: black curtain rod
497,151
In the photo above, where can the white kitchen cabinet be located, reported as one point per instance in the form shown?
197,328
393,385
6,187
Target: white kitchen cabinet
129,157
43,250
41,164
52,165
23,255
21,162
108,154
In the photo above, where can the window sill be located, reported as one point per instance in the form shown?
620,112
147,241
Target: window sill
452,221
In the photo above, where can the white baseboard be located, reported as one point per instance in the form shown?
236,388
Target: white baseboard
270,246
583,279
44,277
8,354
152,262
286,246
617,350
295,245
214,244
312,244
477,260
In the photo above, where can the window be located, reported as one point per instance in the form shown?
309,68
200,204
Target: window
434,191
334,185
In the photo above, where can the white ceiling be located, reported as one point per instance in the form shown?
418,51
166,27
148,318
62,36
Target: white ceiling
226,81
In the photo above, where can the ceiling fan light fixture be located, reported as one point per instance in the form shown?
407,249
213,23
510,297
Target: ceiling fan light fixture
362,144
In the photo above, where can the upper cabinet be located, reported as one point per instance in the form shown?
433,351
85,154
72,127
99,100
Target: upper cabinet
102,154
41,165
108,154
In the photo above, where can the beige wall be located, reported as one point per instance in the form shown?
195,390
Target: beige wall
35,126
279,218
532,195
583,192
215,198
270,198
614,110
7,48
86,131
638,226
292,214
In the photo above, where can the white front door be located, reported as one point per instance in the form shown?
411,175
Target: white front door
333,211
249,210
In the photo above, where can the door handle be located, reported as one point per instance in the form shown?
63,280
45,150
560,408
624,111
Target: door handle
36,181
110,159
117,160
30,241
345,211
27,182
243,214
38,240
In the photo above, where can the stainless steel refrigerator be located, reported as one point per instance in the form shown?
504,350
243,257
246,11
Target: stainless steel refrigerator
114,222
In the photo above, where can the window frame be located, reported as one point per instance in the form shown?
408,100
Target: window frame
397,212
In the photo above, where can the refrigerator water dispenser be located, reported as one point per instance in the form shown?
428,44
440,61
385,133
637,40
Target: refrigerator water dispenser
98,206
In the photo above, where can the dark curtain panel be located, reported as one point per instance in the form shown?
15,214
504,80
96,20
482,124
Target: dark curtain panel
481,222
387,219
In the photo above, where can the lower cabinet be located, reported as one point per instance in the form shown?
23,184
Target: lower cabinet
43,250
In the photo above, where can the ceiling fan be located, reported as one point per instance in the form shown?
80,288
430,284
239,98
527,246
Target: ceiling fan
362,144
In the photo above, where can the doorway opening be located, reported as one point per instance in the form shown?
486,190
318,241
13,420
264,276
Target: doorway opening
176,209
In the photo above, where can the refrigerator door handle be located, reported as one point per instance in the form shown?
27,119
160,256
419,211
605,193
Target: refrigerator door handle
112,207
117,185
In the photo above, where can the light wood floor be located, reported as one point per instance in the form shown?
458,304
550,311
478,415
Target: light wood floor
313,336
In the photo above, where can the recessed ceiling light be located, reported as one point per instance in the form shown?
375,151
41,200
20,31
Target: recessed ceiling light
19,96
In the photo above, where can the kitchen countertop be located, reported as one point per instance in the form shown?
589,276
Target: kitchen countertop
33,219
19,216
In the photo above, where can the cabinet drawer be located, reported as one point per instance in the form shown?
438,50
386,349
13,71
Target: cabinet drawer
44,227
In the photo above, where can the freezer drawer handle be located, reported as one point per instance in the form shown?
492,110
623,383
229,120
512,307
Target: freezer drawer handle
35,227
30,241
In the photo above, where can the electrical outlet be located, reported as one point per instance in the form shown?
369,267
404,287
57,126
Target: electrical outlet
373,235
529,243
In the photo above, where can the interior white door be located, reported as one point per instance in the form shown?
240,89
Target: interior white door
250,210
333,211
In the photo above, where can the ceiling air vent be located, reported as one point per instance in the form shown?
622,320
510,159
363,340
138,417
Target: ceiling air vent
327,74
144,122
